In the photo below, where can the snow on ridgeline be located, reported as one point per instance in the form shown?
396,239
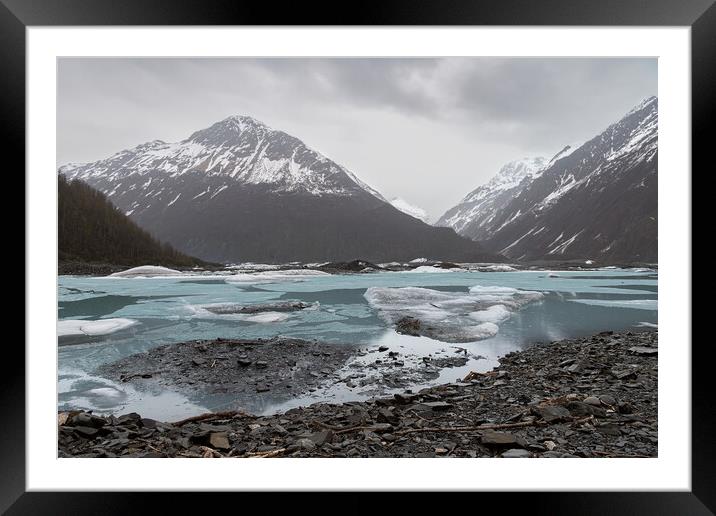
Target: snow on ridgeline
409,209
456,316
477,207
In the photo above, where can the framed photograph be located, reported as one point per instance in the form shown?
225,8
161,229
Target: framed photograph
382,253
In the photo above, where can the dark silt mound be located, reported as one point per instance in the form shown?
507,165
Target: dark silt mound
288,306
286,367
590,397
352,266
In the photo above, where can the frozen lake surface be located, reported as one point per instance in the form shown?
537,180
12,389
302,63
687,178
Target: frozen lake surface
102,319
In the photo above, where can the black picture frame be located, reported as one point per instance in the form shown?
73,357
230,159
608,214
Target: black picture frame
700,15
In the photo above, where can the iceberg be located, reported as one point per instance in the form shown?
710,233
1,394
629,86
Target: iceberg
494,314
430,268
146,271
450,316
639,304
275,276
266,317
69,327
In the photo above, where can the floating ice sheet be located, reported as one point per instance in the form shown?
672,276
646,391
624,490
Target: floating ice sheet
275,276
430,268
640,304
452,316
100,327
146,271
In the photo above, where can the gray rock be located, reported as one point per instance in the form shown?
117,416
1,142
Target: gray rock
593,400
578,408
493,438
387,416
322,437
516,453
88,420
304,444
87,432
437,406
608,400
552,413
608,429
219,440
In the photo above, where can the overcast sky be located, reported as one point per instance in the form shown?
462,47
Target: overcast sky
427,130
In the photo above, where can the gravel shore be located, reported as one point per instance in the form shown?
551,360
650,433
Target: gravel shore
589,397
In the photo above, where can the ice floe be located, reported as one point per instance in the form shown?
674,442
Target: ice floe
275,276
250,266
451,316
419,260
254,313
146,271
496,268
430,268
494,314
69,327
640,304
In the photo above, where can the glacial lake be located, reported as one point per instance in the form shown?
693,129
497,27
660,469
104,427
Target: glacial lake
102,319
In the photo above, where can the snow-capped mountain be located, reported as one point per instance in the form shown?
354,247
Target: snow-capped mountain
406,207
241,191
595,201
474,215
239,149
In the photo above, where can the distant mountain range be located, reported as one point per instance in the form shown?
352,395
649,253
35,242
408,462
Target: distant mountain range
241,191
598,200
92,230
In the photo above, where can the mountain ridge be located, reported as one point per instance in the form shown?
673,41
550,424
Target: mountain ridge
595,201
241,191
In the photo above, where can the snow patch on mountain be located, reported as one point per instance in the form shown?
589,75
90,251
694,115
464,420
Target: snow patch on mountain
409,209
474,213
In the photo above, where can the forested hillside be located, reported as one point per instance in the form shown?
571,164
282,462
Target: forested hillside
92,229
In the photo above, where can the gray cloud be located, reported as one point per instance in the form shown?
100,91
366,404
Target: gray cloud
428,130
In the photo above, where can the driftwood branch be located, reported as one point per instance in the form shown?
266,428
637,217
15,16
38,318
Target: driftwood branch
467,428
209,416
267,454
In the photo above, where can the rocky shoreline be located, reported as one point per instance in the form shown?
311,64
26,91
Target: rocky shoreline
589,397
